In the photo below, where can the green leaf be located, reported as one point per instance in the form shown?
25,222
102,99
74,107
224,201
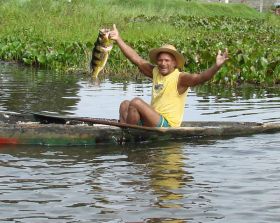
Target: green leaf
27,61
264,62
42,59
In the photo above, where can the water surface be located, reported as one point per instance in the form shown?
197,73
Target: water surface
225,180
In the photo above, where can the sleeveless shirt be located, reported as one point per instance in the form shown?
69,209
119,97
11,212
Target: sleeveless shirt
165,97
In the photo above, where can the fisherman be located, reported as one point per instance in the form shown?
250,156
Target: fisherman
170,85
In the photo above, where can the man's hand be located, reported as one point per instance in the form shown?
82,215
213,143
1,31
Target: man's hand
221,57
114,34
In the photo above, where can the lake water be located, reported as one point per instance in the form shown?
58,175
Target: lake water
227,180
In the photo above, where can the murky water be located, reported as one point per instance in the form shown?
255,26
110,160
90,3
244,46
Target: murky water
230,180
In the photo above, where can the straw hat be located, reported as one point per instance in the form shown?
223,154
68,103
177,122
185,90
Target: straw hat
180,59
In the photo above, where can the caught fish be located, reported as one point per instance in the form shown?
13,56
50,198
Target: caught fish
100,52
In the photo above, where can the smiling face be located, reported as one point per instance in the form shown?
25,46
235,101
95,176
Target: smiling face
166,63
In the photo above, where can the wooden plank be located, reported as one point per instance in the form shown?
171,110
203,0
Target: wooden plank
45,118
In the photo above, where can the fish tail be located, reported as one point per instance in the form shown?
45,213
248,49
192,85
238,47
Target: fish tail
96,72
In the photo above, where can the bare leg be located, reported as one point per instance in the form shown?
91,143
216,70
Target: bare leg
133,116
139,109
123,111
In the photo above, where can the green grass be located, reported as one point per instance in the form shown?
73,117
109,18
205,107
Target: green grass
59,34
78,20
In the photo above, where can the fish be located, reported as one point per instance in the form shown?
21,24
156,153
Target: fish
100,52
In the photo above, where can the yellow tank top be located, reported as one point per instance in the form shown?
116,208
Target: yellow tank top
165,97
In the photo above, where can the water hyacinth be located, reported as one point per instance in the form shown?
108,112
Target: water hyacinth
252,40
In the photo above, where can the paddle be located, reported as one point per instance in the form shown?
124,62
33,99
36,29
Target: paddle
56,119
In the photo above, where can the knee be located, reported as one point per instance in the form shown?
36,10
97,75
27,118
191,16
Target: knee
136,102
124,105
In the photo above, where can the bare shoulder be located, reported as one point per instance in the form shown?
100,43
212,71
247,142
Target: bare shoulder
146,68
184,79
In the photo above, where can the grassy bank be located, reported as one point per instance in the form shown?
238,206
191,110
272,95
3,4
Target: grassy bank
59,34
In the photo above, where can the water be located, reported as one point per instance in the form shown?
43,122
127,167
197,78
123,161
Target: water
230,180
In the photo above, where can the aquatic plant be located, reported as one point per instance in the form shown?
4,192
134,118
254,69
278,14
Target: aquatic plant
60,34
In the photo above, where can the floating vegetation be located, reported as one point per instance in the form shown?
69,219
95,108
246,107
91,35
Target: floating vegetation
26,48
253,42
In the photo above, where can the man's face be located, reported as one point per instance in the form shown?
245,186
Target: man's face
166,63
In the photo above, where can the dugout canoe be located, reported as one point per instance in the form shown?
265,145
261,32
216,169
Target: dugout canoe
54,130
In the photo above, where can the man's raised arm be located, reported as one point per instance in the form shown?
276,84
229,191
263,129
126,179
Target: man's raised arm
144,66
189,80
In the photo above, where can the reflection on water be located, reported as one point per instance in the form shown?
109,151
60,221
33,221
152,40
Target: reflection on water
234,180
230,180
235,104
168,176
25,90
147,183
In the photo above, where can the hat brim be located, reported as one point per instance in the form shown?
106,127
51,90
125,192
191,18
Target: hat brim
180,59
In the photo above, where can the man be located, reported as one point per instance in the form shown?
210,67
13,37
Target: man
170,86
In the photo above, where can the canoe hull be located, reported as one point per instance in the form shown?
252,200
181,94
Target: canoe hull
14,131
57,134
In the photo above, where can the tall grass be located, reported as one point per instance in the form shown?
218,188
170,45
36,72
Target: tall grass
78,20
60,33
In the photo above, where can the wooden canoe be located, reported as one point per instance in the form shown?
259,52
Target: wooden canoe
47,129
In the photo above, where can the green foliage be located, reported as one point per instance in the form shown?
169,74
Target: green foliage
32,50
59,34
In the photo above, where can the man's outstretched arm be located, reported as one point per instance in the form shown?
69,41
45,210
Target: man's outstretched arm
190,80
144,66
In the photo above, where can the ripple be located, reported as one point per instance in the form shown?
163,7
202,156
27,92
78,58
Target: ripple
226,180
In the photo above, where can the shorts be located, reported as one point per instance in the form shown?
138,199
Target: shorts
162,122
